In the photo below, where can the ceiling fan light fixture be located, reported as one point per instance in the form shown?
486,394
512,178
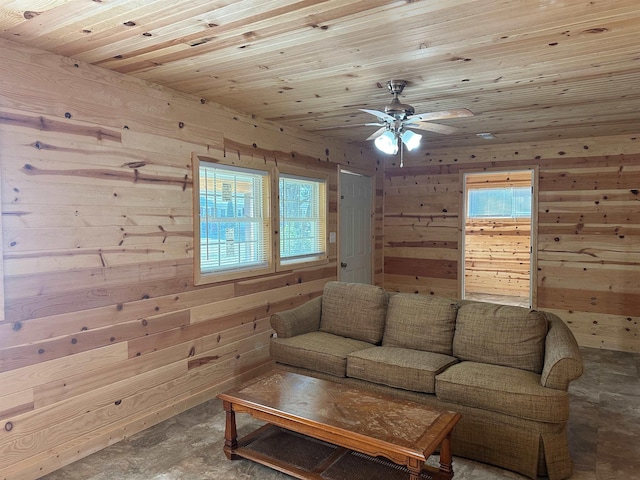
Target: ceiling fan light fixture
393,134
387,143
411,139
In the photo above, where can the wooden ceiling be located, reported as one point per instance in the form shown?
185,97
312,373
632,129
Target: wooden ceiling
530,70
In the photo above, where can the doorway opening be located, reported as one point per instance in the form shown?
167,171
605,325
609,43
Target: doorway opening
498,214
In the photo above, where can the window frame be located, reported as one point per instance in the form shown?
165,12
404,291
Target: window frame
321,258
204,277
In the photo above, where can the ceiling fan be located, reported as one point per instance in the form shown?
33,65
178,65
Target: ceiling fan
398,118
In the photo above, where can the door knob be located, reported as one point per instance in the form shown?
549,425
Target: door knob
343,265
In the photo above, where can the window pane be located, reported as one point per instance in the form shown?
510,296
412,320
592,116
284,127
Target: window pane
302,217
234,231
509,202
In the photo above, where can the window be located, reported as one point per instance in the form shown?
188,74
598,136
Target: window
510,202
302,219
234,220
238,209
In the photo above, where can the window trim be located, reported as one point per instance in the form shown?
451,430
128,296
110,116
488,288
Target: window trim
200,277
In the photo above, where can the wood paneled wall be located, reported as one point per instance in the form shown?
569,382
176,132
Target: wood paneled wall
588,230
421,229
104,332
497,256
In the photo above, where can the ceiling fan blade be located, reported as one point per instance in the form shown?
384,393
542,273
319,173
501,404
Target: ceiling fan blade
348,125
381,115
442,115
377,133
432,127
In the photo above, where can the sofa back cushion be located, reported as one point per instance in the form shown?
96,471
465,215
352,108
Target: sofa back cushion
420,322
354,310
500,335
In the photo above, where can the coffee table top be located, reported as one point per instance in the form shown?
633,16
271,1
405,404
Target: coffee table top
412,428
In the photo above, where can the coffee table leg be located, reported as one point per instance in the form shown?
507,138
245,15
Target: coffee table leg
446,458
415,467
230,433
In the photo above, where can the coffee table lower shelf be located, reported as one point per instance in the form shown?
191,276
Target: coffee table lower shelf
310,459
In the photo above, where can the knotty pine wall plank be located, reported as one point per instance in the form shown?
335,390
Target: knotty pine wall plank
261,284
426,285
420,267
115,296
104,332
416,250
145,295
140,346
422,231
28,377
16,403
65,216
497,258
612,277
60,346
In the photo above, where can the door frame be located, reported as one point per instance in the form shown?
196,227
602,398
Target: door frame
372,184
533,256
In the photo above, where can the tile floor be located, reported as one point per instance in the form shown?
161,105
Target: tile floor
604,435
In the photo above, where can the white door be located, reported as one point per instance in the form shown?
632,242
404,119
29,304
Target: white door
356,238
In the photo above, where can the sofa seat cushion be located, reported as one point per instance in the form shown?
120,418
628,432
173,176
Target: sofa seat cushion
500,335
319,351
501,389
354,310
404,368
420,322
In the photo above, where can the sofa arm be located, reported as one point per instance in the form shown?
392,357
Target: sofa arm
304,318
562,359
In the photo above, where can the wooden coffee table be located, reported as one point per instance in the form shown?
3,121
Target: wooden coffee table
323,430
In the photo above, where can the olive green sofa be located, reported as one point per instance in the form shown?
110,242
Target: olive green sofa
506,369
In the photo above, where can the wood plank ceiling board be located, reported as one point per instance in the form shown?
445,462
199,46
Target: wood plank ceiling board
530,71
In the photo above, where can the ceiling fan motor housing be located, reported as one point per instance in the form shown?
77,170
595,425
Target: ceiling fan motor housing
397,109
